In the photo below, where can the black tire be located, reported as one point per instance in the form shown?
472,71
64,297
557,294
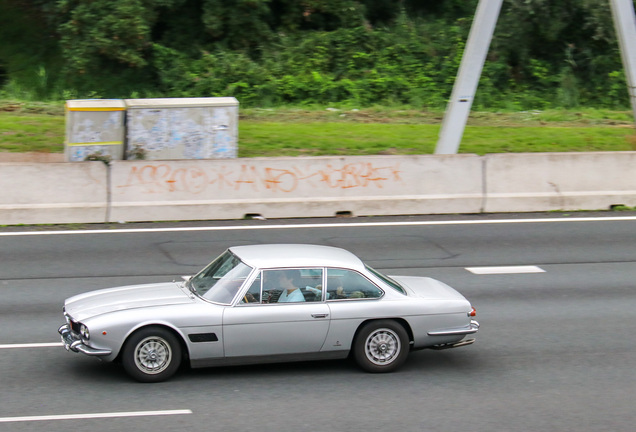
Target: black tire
381,346
152,354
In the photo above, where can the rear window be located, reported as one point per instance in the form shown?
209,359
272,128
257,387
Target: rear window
390,282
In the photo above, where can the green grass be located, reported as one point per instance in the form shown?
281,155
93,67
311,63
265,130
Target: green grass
315,131
31,133
315,139
482,140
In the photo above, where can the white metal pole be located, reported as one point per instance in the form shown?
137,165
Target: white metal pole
625,24
468,75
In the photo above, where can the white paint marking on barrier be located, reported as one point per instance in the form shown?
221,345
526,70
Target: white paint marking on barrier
32,345
321,225
94,415
505,270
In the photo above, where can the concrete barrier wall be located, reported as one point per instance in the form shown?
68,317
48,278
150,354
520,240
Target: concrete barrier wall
43,193
559,181
85,192
295,187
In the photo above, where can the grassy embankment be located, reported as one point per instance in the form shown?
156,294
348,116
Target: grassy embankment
39,127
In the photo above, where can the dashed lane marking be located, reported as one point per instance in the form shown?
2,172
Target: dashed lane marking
94,415
505,270
31,345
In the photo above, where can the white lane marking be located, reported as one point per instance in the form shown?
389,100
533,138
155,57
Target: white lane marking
322,225
95,415
505,270
32,345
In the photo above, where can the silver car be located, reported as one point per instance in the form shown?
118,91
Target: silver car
268,303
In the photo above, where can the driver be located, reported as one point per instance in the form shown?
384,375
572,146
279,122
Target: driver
288,281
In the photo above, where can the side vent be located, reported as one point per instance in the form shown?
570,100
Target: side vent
203,337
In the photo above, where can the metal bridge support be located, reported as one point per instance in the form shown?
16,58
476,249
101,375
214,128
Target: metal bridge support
625,24
472,63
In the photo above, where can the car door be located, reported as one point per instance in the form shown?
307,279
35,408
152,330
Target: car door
261,325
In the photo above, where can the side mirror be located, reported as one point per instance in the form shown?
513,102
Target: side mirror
186,278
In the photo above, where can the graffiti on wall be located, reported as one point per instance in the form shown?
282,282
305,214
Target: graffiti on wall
180,133
161,178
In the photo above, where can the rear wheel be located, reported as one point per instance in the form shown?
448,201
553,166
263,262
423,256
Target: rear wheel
152,354
381,346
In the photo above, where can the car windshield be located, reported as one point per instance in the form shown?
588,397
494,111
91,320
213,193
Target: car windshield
221,279
393,284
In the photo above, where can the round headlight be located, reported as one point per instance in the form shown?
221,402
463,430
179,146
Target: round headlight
84,332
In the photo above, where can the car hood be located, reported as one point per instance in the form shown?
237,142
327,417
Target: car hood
88,305
429,288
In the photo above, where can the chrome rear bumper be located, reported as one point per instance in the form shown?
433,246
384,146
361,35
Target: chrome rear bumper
473,327
74,343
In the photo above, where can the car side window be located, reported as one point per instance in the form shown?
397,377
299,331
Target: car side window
253,294
349,284
293,285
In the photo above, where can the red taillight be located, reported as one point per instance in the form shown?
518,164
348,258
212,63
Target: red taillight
473,312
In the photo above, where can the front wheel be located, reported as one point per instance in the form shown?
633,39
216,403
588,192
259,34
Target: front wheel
152,354
381,346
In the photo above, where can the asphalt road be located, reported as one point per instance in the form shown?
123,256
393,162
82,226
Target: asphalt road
555,351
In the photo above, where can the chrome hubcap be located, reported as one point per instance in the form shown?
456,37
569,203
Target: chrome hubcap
153,355
382,346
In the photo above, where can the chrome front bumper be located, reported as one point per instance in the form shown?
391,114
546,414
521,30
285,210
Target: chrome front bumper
72,342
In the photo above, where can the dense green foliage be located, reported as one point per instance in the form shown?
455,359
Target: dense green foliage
545,53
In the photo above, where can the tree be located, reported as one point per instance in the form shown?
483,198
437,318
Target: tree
29,51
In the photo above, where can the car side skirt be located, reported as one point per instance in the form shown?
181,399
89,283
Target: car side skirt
282,358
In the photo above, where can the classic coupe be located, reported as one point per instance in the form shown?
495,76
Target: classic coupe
264,304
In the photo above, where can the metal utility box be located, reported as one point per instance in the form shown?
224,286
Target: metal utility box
94,127
183,128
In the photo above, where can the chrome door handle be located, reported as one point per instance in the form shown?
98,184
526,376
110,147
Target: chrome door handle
322,315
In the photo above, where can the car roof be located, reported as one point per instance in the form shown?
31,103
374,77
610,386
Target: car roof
296,255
